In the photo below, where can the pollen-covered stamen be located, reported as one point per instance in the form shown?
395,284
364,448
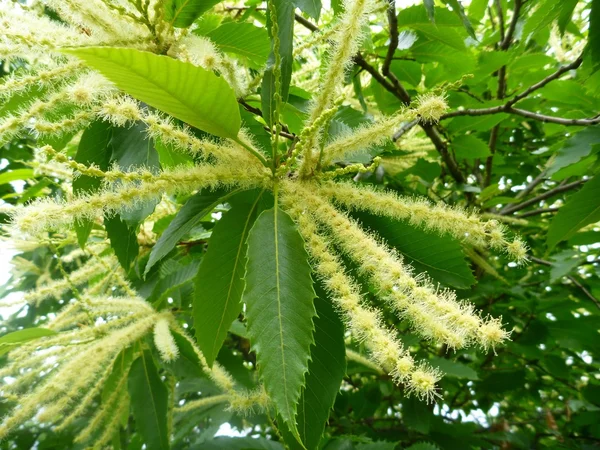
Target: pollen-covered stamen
163,339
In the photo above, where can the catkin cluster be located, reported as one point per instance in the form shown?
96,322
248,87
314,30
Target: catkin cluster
62,376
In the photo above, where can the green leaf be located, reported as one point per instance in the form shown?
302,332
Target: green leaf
171,283
594,33
454,369
423,446
245,40
149,402
580,210
14,175
408,71
311,7
194,95
459,10
16,338
440,256
459,125
279,300
94,149
574,149
429,6
183,13
467,146
195,209
123,240
132,149
285,22
326,370
220,280
245,443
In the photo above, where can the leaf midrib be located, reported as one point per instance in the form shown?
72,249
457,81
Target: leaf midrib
278,289
154,409
237,260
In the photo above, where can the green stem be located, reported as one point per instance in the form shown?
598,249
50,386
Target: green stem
260,157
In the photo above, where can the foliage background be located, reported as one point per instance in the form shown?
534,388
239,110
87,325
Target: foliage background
541,390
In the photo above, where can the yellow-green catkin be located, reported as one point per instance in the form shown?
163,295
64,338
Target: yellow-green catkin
364,323
44,214
345,42
434,314
163,339
440,218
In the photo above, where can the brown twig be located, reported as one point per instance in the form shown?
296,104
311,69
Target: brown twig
539,198
402,94
572,279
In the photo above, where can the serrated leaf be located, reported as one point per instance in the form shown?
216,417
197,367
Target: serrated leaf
575,148
441,257
423,446
192,94
149,402
279,307
198,206
123,240
220,283
170,283
94,149
470,147
245,40
454,369
326,370
183,13
285,22
580,210
459,10
245,443
311,7
12,340
594,33
132,149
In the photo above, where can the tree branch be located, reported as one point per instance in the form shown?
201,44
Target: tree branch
536,212
539,198
508,106
402,94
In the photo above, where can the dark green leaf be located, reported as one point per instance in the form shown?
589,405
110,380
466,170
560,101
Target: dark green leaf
16,338
280,310
574,149
470,147
220,280
594,33
310,7
454,369
182,13
459,10
244,40
245,443
285,22
195,209
580,210
326,370
170,283
123,240
149,402
94,149
441,257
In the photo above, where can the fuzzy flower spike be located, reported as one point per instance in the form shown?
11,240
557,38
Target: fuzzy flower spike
97,333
